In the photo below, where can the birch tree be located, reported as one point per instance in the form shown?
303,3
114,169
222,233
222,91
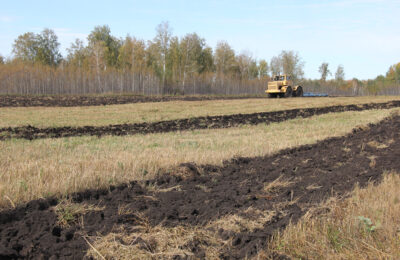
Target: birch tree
324,71
162,43
41,48
276,66
77,53
191,49
339,75
110,44
263,69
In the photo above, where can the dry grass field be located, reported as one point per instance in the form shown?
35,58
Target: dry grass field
33,169
364,224
151,112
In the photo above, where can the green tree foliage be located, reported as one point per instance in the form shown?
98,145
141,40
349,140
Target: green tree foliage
25,47
166,64
253,70
292,64
41,48
2,60
224,58
339,74
276,66
206,60
48,52
263,69
191,49
101,38
247,66
324,71
77,53
393,73
288,62
174,60
160,47
132,54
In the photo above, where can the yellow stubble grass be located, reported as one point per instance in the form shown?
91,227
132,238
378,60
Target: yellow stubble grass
40,168
160,242
151,112
364,226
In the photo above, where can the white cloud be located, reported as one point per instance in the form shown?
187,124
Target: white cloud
7,18
347,3
66,36
68,33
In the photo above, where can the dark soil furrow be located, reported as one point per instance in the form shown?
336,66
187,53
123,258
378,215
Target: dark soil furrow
213,122
77,101
207,193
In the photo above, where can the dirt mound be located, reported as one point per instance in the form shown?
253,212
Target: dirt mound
225,121
75,101
288,183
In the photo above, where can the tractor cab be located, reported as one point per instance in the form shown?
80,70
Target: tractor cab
281,78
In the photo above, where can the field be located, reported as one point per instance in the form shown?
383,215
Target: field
40,116
184,179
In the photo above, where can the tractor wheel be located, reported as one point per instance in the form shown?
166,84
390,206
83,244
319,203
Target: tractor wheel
299,91
288,92
272,95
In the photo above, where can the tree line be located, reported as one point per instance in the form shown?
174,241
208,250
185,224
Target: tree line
388,84
167,64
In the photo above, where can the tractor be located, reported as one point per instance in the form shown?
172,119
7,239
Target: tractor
282,86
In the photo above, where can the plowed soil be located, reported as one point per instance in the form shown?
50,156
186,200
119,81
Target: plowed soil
77,101
316,172
213,122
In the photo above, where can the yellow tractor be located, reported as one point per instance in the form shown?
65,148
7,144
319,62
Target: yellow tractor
282,86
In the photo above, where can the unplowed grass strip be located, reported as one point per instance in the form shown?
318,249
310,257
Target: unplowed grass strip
40,168
160,111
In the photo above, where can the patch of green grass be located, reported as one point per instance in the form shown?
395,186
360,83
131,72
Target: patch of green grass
69,212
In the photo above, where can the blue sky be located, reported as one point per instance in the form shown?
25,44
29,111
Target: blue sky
362,35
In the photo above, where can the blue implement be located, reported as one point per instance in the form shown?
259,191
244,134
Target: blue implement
310,94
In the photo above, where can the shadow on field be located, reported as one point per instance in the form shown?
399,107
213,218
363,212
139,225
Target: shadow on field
286,184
